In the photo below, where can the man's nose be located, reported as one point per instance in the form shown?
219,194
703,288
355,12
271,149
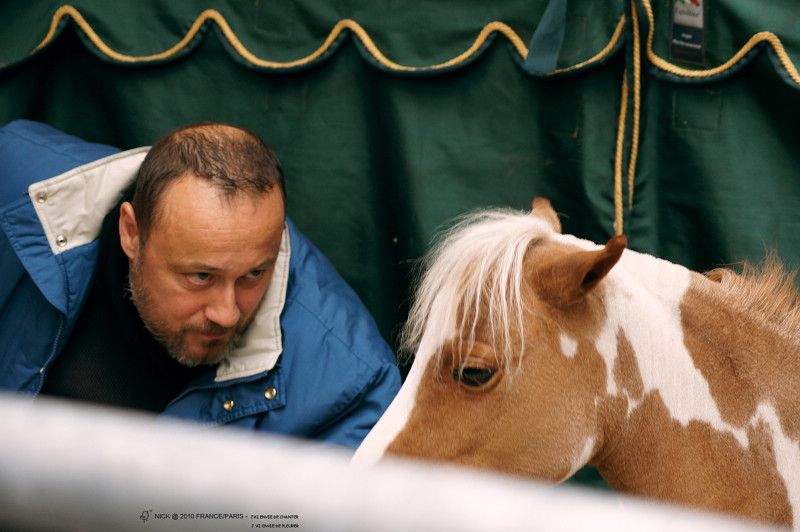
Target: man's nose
223,308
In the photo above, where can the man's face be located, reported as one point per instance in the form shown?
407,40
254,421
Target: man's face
198,280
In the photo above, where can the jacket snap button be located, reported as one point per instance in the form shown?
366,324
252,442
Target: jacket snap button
270,393
61,240
228,404
41,197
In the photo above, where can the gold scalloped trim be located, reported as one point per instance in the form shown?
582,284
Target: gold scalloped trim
615,37
342,25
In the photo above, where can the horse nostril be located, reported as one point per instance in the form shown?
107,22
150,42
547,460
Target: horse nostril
474,377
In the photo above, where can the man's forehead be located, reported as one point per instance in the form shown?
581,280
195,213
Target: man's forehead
192,213
224,253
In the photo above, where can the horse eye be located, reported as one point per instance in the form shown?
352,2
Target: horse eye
474,377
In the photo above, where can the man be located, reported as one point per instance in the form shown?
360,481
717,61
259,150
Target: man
176,284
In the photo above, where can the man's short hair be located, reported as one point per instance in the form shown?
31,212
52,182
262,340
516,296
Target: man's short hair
234,160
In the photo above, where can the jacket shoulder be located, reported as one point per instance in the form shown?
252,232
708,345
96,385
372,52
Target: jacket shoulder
33,151
325,298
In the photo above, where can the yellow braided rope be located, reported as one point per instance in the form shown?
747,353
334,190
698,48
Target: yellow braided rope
763,36
619,216
637,104
618,210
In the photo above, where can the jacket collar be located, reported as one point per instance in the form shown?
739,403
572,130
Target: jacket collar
262,342
71,208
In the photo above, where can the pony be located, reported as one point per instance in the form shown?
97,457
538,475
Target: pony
537,353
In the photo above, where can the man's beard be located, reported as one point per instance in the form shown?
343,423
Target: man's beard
174,341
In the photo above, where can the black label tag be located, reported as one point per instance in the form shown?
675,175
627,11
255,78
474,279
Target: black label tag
688,31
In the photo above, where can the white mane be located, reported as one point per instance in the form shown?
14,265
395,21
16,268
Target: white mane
474,273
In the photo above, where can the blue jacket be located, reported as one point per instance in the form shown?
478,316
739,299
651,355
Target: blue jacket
312,365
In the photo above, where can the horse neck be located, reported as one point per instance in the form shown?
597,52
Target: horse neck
642,331
688,372
643,340
688,338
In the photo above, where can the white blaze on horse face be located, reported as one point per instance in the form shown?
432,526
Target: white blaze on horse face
392,422
396,416
440,327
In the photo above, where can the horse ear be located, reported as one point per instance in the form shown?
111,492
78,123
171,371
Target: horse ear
541,208
566,278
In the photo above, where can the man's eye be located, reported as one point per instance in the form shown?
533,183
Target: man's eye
200,277
255,274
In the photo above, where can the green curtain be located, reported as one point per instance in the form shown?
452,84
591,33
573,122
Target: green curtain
392,117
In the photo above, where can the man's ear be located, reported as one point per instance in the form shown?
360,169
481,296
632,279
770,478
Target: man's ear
128,231
565,279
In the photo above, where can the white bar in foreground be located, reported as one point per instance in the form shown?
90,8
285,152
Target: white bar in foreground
68,467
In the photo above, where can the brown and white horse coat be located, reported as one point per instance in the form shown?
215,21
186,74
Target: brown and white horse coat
538,353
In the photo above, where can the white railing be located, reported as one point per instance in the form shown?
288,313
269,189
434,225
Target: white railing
70,467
